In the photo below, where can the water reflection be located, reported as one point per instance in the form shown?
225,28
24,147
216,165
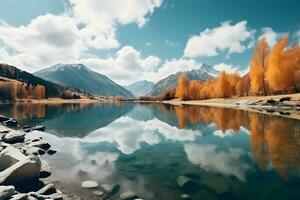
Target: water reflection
145,147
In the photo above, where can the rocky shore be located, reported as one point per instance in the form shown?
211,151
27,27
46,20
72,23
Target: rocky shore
22,169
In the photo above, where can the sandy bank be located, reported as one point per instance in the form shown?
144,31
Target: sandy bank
280,105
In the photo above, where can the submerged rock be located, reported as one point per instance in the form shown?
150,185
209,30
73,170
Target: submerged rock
3,118
98,193
6,192
187,184
35,151
111,189
128,195
89,184
185,197
51,151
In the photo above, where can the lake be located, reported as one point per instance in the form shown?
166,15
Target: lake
230,154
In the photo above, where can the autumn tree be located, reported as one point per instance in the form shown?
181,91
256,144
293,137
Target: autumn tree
283,63
182,91
194,89
223,86
258,66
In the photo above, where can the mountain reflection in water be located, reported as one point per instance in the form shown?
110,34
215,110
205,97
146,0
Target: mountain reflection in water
233,154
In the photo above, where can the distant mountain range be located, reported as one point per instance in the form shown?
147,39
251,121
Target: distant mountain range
140,88
81,77
203,73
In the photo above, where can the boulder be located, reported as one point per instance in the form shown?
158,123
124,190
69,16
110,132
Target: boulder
23,171
9,156
47,190
89,184
128,195
111,189
6,192
40,144
39,128
3,118
20,196
35,151
45,170
14,137
10,123
187,184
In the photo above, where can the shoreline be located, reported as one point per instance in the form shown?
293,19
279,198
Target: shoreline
24,171
278,105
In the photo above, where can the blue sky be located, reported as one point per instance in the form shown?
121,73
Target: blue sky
131,40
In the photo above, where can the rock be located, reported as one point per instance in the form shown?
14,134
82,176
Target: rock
51,151
98,193
185,197
9,156
187,184
4,131
2,118
111,189
35,151
20,196
6,192
23,171
55,196
40,144
89,184
47,190
14,137
39,128
285,99
271,101
10,123
82,173
45,170
27,130
128,195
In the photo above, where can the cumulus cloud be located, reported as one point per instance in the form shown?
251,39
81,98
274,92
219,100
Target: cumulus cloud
225,38
226,67
126,65
270,35
49,39
100,18
46,40
226,163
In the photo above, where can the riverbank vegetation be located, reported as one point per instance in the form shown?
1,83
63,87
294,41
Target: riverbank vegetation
273,71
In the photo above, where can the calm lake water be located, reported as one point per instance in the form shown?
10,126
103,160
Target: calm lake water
232,154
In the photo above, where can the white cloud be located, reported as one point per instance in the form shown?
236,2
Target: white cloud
226,163
46,40
270,35
225,38
100,18
226,67
126,65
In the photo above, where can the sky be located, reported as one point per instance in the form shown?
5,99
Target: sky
132,40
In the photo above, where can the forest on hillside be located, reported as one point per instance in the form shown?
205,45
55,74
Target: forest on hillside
18,84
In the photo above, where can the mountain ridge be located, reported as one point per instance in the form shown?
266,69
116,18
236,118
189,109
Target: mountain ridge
81,77
140,88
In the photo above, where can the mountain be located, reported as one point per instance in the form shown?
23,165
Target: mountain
80,76
140,88
51,89
203,73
